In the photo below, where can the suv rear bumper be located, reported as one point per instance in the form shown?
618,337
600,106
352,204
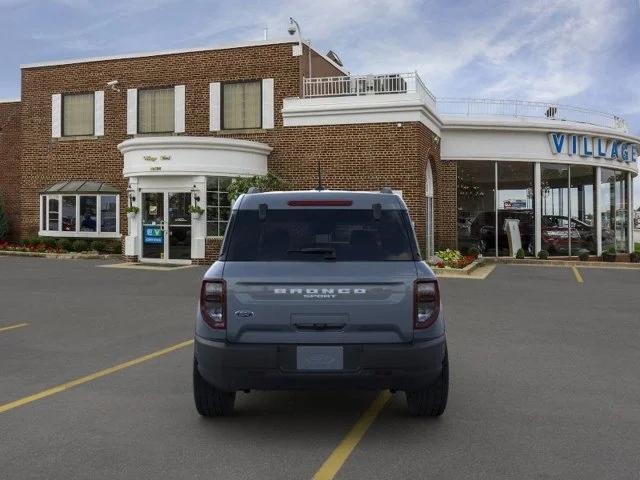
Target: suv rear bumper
232,367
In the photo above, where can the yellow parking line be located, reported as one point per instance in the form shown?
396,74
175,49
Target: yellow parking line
19,325
79,381
332,465
577,275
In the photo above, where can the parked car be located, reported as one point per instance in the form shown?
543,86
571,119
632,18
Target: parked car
320,289
484,234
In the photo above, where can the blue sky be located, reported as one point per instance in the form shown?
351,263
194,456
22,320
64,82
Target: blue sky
580,52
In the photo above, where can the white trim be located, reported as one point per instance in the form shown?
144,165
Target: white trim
10,100
179,108
156,53
78,233
268,103
132,111
396,108
62,234
630,221
537,207
98,113
598,210
56,115
214,106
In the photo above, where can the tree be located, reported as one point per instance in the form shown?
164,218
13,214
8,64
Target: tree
4,220
266,183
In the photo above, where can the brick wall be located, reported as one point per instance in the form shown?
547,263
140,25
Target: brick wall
445,192
359,157
9,163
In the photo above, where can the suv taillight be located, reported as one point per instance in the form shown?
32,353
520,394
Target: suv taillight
213,296
426,303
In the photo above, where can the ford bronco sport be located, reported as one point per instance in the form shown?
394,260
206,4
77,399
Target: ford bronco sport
320,289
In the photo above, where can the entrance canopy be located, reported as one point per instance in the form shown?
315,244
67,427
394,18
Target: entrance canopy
81,186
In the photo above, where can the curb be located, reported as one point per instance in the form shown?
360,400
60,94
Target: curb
460,272
62,256
564,263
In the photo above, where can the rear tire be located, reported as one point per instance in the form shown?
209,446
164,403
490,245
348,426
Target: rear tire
211,402
431,401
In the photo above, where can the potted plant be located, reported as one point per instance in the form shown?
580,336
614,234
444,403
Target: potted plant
195,211
609,255
132,212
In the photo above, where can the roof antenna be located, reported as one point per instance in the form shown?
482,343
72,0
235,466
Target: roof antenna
320,187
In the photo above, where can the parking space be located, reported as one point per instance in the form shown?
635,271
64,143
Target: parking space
544,384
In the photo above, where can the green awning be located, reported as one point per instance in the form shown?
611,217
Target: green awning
81,186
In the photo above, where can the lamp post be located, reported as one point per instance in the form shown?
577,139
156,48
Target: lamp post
294,27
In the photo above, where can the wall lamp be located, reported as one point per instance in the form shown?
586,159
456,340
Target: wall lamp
195,192
132,194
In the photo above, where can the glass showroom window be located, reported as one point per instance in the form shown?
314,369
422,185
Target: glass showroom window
77,114
78,215
218,205
582,201
614,209
477,206
156,110
242,105
516,202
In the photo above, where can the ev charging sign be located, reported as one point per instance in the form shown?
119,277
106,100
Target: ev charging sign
592,146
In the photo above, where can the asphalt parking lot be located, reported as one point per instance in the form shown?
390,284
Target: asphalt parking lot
545,383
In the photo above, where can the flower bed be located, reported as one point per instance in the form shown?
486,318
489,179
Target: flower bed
33,248
47,245
452,259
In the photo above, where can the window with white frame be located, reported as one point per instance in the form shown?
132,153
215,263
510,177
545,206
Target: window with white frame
78,114
156,110
218,205
79,215
242,105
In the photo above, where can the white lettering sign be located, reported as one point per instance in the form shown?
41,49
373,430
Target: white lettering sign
592,146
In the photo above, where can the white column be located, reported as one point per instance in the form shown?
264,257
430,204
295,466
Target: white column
199,225
214,107
598,212
630,209
537,195
132,240
179,108
132,111
98,113
56,115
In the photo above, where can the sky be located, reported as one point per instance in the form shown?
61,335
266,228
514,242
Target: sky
576,52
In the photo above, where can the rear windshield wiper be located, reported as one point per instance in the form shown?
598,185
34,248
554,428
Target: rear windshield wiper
330,253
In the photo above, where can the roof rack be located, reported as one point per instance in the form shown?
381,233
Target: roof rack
253,190
386,190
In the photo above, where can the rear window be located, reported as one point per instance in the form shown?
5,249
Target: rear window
318,235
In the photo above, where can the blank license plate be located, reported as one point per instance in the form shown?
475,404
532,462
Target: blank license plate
319,358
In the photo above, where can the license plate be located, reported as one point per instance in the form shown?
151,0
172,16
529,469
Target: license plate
319,358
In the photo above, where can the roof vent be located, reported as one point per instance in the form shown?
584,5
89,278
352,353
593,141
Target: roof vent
334,56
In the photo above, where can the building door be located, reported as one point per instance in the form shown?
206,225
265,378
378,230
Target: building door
166,227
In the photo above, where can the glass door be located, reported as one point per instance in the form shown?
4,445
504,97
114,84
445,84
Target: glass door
153,223
179,226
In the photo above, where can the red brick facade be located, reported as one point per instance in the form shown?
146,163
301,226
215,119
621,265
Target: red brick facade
9,162
359,157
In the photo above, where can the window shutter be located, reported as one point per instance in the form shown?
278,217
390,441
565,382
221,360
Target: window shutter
267,103
56,115
214,106
98,113
179,94
132,111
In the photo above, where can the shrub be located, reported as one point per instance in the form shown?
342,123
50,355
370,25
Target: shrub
474,251
266,183
116,248
48,241
635,257
64,244
609,255
29,241
450,258
4,220
79,246
583,255
543,254
98,246
520,253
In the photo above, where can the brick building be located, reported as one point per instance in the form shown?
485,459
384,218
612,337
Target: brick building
163,131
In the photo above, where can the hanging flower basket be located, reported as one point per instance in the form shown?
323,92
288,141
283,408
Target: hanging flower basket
195,211
132,212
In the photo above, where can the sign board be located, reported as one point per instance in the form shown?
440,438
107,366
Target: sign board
512,228
153,235
591,146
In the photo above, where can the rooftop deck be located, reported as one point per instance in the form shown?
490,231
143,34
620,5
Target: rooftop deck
410,83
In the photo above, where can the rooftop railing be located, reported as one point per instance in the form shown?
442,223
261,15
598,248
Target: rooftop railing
357,85
411,83
475,107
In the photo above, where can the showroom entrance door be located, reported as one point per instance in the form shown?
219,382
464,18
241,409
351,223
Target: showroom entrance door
166,227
